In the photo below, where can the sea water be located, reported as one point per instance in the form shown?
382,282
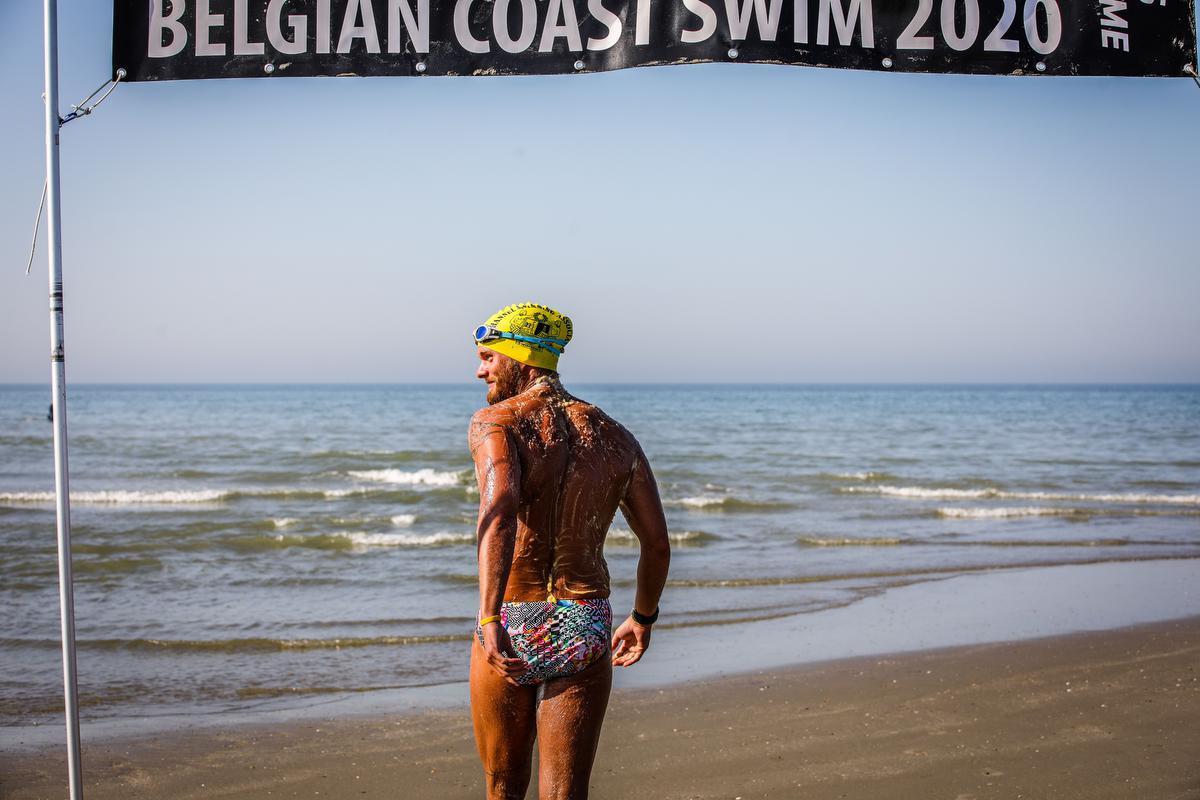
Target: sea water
238,547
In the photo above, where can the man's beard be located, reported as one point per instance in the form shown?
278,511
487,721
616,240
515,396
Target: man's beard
507,383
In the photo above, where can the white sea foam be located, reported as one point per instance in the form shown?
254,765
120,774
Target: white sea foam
420,477
283,522
859,476
404,520
121,497
943,493
334,494
441,539
726,502
922,493
1004,513
819,541
702,501
621,535
1146,499
624,536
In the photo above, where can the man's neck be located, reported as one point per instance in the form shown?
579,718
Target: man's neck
534,379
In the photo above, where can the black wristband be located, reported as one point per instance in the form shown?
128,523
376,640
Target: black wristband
642,619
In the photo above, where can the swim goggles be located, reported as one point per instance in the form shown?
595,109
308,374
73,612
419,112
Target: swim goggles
487,333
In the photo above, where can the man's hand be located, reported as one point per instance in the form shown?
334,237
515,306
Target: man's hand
629,642
501,655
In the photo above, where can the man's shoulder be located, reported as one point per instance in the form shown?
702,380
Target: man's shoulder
607,424
501,415
598,414
486,422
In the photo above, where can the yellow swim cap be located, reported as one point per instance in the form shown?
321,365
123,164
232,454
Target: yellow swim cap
549,329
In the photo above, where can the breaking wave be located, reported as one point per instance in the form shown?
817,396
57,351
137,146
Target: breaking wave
244,645
945,493
879,541
816,541
724,503
192,497
346,540
860,476
1005,513
441,539
420,477
626,537
122,497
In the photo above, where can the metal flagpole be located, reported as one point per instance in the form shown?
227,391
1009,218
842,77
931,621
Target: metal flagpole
58,379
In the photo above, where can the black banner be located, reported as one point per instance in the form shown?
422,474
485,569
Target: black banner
177,39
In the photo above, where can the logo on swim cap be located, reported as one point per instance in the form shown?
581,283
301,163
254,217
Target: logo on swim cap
529,321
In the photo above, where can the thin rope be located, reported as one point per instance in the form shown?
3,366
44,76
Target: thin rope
37,223
1190,70
83,109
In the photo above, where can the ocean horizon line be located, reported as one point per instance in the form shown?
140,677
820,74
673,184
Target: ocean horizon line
632,384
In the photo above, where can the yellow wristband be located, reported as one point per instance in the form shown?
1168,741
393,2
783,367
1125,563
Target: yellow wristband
489,620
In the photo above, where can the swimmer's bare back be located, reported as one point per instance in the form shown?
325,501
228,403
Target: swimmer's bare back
552,471
568,466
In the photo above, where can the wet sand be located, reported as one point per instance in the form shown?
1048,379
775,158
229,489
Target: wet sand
1090,715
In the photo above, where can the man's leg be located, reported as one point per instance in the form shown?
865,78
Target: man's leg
505,725
568,721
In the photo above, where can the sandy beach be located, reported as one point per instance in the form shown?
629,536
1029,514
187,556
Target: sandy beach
1087,715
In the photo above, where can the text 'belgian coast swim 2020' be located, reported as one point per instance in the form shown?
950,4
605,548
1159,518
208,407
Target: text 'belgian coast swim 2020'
175,39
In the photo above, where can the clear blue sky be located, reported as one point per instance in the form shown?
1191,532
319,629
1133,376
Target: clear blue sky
699,223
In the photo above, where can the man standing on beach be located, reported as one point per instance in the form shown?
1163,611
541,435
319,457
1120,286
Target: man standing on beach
552,472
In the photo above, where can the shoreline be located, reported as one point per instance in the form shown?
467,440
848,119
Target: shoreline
1092,714
1003,605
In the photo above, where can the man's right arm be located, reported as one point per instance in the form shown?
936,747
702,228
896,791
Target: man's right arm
498,471
643,511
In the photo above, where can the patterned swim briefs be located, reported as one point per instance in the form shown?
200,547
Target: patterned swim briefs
558,638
